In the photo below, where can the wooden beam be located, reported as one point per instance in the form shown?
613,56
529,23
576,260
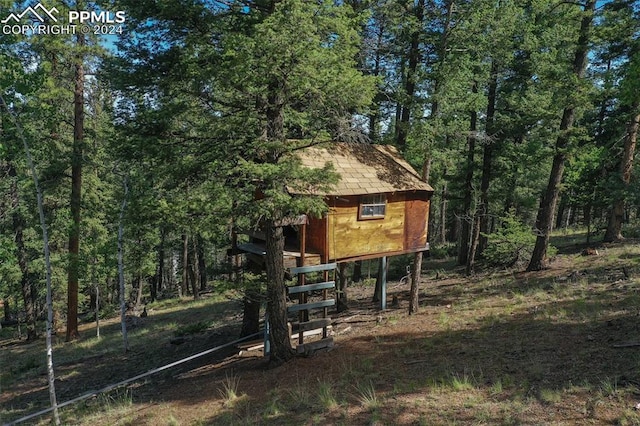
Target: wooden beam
302,295
313,332
309,348
253,248
311,287
378,255
313,268
312,325
314,305
383,284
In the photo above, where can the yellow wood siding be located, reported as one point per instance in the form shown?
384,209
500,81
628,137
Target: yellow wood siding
350,237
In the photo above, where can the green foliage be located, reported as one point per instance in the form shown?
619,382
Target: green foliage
512,243
194,328
188,112
442,251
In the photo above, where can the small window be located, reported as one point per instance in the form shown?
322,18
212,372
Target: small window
372,207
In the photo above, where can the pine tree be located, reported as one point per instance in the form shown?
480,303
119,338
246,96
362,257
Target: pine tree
544,221
278,71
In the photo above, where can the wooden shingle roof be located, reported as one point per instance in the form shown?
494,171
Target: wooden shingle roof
365,168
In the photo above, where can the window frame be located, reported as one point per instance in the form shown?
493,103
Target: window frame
374,201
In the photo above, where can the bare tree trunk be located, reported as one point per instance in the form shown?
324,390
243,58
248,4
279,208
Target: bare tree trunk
47,262
123,299
357,271
443,212
7,310
416,272
377,292
487,159
184,285
194,270
97,290
616,216
410,79
414,292
158,282
467,218
137,287
374,117
544,221
587,220
202,266
251,302
26,285
343,301
560,214
475,239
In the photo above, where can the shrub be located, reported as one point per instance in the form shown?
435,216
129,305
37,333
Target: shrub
512,243
443,251
194,328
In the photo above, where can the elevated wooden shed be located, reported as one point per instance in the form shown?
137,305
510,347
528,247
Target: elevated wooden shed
379,207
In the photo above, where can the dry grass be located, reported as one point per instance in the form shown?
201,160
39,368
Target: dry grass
505,348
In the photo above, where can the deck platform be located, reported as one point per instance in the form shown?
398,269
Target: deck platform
257,252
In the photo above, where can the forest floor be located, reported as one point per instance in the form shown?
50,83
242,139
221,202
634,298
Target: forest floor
560,346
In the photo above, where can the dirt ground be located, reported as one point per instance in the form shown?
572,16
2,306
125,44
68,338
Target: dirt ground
561,346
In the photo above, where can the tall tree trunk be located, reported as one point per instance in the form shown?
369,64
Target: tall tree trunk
374,116
281,350
6,305
158,283
587,220
475,240
544,221
616,216
184,284
194,269
467,217
76,196
342,301
26,285
47,263
443,211
122,296
560,215
399,107
202,265
377,291
480,222
137,288
487,158
251,302
410,79
416,272
356,277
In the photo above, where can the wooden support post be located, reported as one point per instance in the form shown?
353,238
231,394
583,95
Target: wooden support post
383,283
267,337
325,276
302,298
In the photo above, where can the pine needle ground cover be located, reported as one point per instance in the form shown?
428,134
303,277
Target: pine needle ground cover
560,346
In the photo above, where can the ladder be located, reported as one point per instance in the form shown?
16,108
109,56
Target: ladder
304,307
